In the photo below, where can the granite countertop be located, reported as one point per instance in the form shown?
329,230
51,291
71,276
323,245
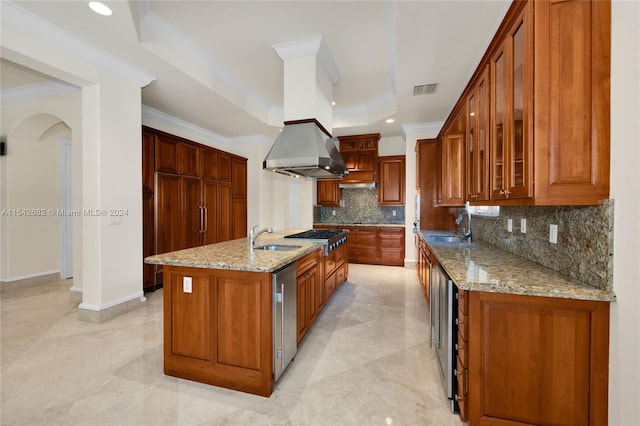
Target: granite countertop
476,266
361,224
236,255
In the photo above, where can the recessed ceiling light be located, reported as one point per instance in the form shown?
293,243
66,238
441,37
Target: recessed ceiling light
333,103
100,8
390,120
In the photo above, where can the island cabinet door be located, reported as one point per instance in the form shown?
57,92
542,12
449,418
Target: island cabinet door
217,328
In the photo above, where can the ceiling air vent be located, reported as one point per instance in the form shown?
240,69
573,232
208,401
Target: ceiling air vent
425,89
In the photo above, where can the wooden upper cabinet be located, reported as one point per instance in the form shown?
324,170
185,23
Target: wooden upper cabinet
187,159
453,173
209,164
239,177
224,167
391,180
511,112
166,154
360,155
328,193
572,101
478,140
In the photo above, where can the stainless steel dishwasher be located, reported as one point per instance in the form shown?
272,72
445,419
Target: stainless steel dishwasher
285,328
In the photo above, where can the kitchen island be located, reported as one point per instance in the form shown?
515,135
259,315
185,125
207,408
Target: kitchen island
218,310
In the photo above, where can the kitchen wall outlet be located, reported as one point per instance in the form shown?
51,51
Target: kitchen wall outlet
523,226
115,220
333,212
393,212
510,225
553,234
186,284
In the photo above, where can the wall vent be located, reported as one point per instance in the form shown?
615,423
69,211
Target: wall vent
425,89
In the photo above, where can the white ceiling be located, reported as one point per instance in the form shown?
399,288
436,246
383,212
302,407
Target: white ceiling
215,67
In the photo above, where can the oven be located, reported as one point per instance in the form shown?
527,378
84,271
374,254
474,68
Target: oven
443,332
331,239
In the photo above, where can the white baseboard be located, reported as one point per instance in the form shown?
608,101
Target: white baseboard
28,276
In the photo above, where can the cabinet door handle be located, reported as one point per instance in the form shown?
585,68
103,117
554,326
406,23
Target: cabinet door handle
206,219
201,219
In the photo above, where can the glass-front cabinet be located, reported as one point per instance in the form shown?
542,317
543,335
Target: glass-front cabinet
478,140
511,107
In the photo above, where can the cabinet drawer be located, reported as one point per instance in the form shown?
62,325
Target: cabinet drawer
462,376
329,263
391,256
462,407
339,255
391,240
329,286
340,275
463,301
305,263
462,348
361,238
362,254
463,327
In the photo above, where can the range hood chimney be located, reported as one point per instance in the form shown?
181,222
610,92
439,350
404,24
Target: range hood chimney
305,148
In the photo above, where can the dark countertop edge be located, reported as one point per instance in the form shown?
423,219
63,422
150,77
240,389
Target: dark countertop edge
403,225
591,293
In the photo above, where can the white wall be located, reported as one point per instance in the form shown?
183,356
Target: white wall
624,372
30,180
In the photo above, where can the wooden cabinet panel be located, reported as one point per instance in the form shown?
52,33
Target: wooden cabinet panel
238,322
453,173
329,286
239,218
166,155
190,317
478,141
391,180
209,212
224,213
168,231
511,110
572,109
224,167
220,333
428,166
187,159
537,360
208,164
191,211
239,178
328,193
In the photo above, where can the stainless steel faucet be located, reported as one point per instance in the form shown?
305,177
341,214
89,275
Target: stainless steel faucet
253,234
465,233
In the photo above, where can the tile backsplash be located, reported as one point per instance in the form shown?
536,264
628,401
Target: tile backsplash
360,205
585,238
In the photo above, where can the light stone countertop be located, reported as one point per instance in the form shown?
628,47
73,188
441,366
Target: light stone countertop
236,255
476,266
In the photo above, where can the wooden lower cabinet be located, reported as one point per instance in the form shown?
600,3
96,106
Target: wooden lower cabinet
308,282
537,360
220,333
391,246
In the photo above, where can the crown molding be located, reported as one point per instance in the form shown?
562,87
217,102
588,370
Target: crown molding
177,123
36,91
14,15
421,130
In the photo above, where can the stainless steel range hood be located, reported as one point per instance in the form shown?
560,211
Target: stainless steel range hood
304,149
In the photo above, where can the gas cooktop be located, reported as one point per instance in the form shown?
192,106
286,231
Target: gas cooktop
317,234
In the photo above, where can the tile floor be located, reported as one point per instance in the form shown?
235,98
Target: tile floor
366,361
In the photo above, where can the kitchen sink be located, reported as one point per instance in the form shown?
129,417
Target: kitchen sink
446,238
277,247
